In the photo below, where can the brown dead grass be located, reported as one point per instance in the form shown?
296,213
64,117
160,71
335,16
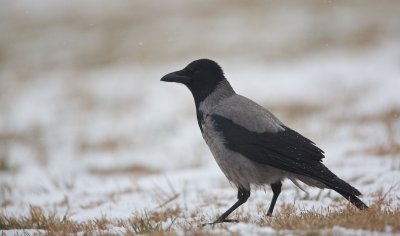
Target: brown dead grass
5,195
385,149
37,219
108,145
389,149
295,111
33,138
390,146
131,170
389,116
53,225
379,217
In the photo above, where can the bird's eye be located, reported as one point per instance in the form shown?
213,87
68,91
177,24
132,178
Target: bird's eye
192,71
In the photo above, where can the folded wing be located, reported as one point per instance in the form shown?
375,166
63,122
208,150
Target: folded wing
285,149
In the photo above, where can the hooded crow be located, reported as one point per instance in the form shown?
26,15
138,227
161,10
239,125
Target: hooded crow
251,146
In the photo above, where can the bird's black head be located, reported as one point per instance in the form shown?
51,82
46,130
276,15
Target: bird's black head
201,77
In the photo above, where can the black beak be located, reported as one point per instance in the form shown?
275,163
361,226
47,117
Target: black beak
177,77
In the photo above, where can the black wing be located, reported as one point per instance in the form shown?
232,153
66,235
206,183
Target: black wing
286,150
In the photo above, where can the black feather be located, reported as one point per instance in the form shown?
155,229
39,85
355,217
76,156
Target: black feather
353,199
286,150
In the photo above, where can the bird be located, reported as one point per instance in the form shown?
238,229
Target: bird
252,146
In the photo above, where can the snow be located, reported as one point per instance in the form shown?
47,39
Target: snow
62,125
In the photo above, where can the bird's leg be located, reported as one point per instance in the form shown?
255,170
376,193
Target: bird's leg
276,189
243,195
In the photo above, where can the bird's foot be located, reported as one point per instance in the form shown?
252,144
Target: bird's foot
221,221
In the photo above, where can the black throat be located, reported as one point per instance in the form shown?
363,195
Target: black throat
199,95
213,92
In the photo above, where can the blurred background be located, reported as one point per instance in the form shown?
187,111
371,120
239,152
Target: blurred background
81,103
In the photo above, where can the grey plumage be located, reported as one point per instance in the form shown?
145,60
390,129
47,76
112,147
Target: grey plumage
251,146
238,169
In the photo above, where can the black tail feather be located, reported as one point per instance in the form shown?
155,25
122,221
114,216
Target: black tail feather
346,190
353,199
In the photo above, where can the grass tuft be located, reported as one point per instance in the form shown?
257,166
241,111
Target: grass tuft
379,217
382,216
143,225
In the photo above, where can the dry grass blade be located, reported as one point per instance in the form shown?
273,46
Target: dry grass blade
379,217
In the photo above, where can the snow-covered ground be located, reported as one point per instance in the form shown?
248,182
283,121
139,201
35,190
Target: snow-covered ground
97,138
